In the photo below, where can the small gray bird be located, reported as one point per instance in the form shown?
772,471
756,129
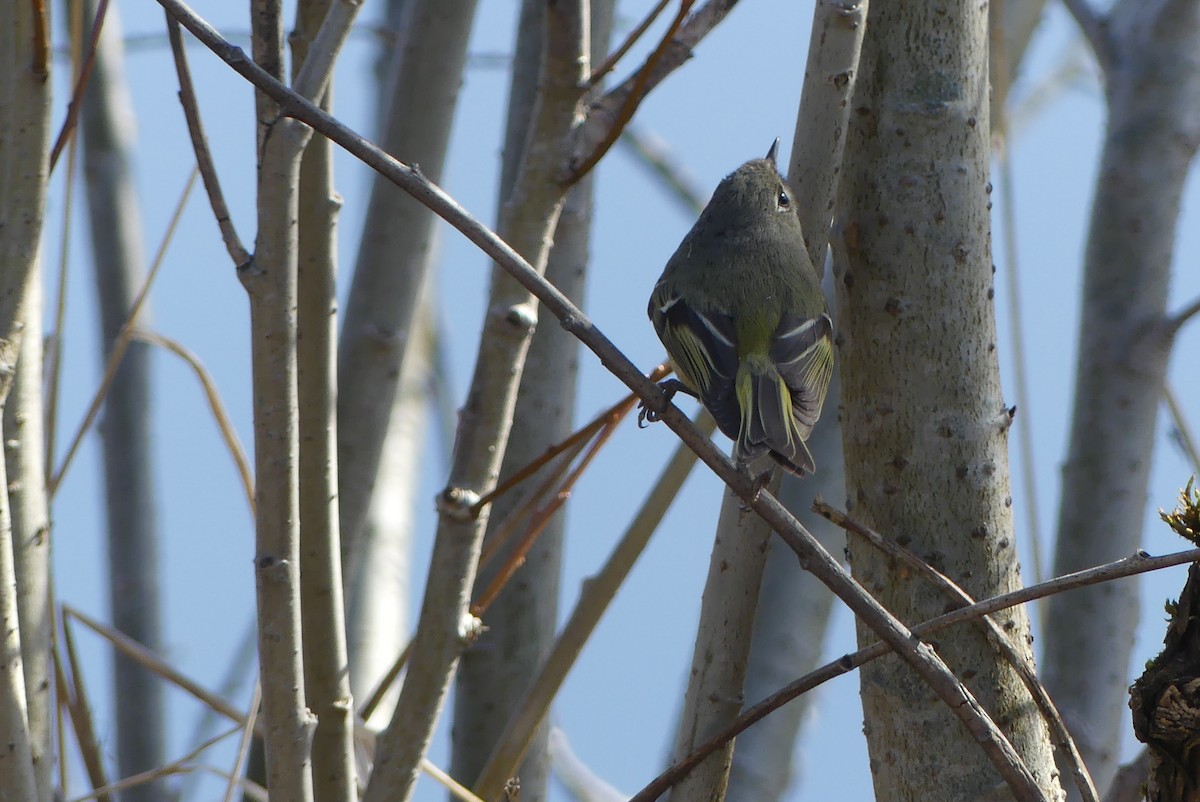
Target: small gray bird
740,309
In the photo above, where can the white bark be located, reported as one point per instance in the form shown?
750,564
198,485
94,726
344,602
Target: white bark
326,674
924,421
426,74
521,622
270,281
527,222
1153,128
24,171
23,453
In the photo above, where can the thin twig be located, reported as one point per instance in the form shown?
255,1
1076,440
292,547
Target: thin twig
385,683
121,344
504,529
1137,563
541,519
204,160
135,651
578,436
632,97
243,752
1186,439
215,404
75,696
609,63
1020,663
1181,317
85,72
55,344
179,766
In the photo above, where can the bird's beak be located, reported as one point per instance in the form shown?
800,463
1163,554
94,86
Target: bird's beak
773,151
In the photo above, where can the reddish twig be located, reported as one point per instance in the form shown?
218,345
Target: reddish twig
85,73
609,63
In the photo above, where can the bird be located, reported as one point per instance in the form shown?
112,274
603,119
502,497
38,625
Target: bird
740,310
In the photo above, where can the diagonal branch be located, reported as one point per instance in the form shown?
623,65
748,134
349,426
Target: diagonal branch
1137,563
85,73
204,159
1021,663
607,117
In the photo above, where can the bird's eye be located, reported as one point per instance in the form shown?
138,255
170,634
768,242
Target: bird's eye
783,201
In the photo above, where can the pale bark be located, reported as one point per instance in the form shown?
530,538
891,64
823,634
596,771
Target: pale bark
924,422
527,222
521,622
24,171
270,281
326,680
119,268
24,458
378,596
754,669
714,692
379,626
424,81
1153,91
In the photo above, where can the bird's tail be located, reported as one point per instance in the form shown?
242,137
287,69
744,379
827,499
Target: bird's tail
769,424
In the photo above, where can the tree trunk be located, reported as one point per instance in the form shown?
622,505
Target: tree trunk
522,621
120,268
924,422
1153,91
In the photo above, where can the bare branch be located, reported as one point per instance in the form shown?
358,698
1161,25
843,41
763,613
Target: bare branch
317,69
820,136
204,159
85,72
117,352
609,63
1181,317
215,405
608,117
1138,563
1022,663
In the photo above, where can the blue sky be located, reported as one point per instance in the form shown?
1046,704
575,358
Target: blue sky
737,94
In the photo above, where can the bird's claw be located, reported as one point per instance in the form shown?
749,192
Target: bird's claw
647,415
669,387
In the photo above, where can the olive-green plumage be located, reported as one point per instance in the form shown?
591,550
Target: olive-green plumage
740,310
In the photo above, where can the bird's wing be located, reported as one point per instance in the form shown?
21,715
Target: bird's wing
703,346
803,354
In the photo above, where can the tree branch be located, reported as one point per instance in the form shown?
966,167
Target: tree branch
1022,663
607,117
820,136
204,159
1138,563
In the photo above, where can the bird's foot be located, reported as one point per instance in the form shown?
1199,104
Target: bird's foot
669,387
758,483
